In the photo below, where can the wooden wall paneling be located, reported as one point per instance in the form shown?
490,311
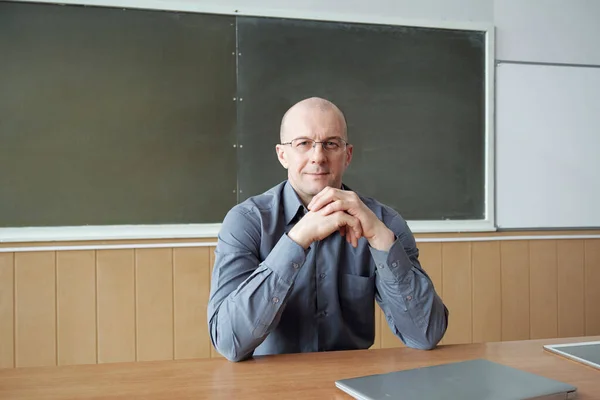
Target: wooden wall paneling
592,287
7,314
76,307
457,290
430,258
514,261
35,308
571,287
487,292
154,304
191,288
116,305
70,307
543,286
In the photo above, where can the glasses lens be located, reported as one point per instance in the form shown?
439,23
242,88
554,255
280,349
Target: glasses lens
303,145
333,144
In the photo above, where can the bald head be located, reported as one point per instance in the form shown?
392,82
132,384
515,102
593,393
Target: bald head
308,109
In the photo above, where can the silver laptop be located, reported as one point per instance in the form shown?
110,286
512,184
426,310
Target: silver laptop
468,380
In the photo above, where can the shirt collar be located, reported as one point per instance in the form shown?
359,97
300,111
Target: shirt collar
291,203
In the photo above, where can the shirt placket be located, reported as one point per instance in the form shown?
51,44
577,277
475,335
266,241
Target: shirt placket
321,311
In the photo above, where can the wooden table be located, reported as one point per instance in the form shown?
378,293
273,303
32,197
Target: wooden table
293,376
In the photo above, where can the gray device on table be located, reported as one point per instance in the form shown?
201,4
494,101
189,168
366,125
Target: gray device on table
585,352
467,380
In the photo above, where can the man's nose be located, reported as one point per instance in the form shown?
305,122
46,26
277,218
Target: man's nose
317,154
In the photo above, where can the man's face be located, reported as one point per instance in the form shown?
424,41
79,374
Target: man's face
311,169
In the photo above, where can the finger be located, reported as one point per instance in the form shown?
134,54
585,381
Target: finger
315,198
322,198
337,205
351,238
354,240
343,231
352,224
356,229
348,234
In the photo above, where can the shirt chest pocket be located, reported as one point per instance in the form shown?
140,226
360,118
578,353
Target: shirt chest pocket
357,295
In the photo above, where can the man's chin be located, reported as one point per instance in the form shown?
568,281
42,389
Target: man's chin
316,189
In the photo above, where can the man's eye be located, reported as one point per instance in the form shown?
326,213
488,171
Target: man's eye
331,144
301,144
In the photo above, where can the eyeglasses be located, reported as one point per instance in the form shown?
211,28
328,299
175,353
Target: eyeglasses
332,145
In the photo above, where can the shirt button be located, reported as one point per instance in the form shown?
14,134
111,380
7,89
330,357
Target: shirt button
275,299
409,298
295,265
323,275
394,264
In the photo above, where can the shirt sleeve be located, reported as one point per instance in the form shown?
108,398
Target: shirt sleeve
414,311
247,296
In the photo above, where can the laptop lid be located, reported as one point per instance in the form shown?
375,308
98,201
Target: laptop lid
468,380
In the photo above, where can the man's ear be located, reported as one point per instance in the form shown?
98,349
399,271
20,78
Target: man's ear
349,149
281,156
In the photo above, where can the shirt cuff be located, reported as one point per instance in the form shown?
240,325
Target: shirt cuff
392,265
286,258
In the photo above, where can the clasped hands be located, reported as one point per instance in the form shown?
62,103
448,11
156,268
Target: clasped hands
341,210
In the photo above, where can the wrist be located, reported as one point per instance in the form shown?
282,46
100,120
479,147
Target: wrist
383,239
296,235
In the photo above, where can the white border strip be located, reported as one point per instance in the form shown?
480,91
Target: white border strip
106,247
213,7
208,244
108,232
490,126
502,238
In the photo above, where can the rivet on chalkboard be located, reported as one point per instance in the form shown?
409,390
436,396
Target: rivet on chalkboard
241,145
234,191
234,99
233,53
241,99
240,191
239,54
234,145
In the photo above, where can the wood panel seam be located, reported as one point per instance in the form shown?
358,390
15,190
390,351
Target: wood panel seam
555,289
135,311
14,305
501,293
173,303
56,341
96,303
472,292
585,272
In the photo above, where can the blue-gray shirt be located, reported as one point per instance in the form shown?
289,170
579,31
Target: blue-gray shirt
269,295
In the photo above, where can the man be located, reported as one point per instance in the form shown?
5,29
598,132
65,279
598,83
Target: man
298,268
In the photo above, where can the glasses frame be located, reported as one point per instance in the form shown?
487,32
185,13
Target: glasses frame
322,143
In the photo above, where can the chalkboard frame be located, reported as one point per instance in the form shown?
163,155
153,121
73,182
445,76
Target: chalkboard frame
118,232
